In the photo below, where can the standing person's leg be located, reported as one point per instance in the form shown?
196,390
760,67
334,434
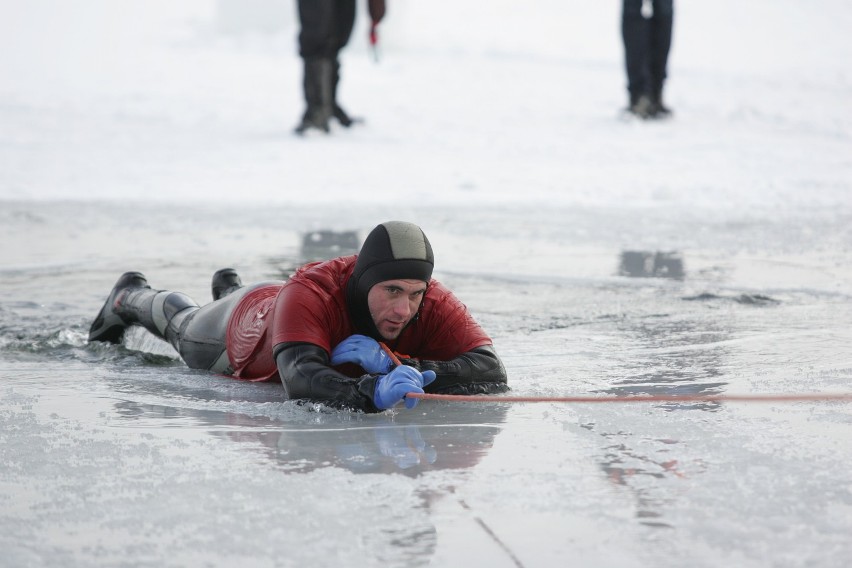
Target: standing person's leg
660,45
316,49
344,21
635,30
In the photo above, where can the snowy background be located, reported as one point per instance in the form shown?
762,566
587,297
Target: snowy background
157,136
123,100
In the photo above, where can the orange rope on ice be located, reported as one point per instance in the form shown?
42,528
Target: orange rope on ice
841,397
390,353
804,397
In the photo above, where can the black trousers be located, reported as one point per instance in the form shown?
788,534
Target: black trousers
325,27
647,42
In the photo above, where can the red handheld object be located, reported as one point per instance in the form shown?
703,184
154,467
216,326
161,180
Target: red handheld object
391,354
374,36
374,39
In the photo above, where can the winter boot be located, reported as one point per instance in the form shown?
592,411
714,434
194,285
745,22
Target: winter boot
642,106
344,119
224,282
660,109
109,326
318,94
133,302
337,111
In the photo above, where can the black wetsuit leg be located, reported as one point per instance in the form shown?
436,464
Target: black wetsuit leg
202,334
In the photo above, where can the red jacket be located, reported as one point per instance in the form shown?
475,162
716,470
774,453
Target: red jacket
311,307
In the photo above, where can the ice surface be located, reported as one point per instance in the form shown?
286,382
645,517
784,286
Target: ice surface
156,136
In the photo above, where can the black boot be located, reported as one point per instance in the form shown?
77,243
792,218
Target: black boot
133,302
224,282
342,117
642,106
318,94
109,326
661,110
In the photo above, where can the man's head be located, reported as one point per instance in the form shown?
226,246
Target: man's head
389,279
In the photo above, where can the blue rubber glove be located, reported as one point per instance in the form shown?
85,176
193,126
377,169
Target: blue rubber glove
364,351
392,388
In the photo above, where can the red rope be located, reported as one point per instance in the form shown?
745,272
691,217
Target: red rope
840,397
390,353
843,397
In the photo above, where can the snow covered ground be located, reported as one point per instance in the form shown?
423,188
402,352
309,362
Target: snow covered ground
156,136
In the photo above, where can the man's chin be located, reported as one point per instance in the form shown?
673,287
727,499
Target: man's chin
390,334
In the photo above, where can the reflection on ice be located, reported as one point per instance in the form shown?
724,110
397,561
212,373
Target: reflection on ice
317,245
325,244
674,355
410,449
626,466
439,437
644,264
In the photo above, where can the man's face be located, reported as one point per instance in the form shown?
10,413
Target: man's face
393,303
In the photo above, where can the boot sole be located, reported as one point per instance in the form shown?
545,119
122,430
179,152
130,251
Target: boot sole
108,327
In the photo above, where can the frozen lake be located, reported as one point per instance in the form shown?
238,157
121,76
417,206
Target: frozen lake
155,136
116,455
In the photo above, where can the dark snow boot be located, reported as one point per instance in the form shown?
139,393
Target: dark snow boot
660,109
341,115
319,76
109,326
224,282
344,119
642,106
133,302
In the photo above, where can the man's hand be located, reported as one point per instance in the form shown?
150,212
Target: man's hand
364,351
377,10
392,388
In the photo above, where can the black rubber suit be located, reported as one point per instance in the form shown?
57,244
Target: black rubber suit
199,333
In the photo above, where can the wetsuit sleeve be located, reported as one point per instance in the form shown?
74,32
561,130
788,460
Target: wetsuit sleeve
306,375
478,371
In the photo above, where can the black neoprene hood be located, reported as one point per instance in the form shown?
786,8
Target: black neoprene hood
395,250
